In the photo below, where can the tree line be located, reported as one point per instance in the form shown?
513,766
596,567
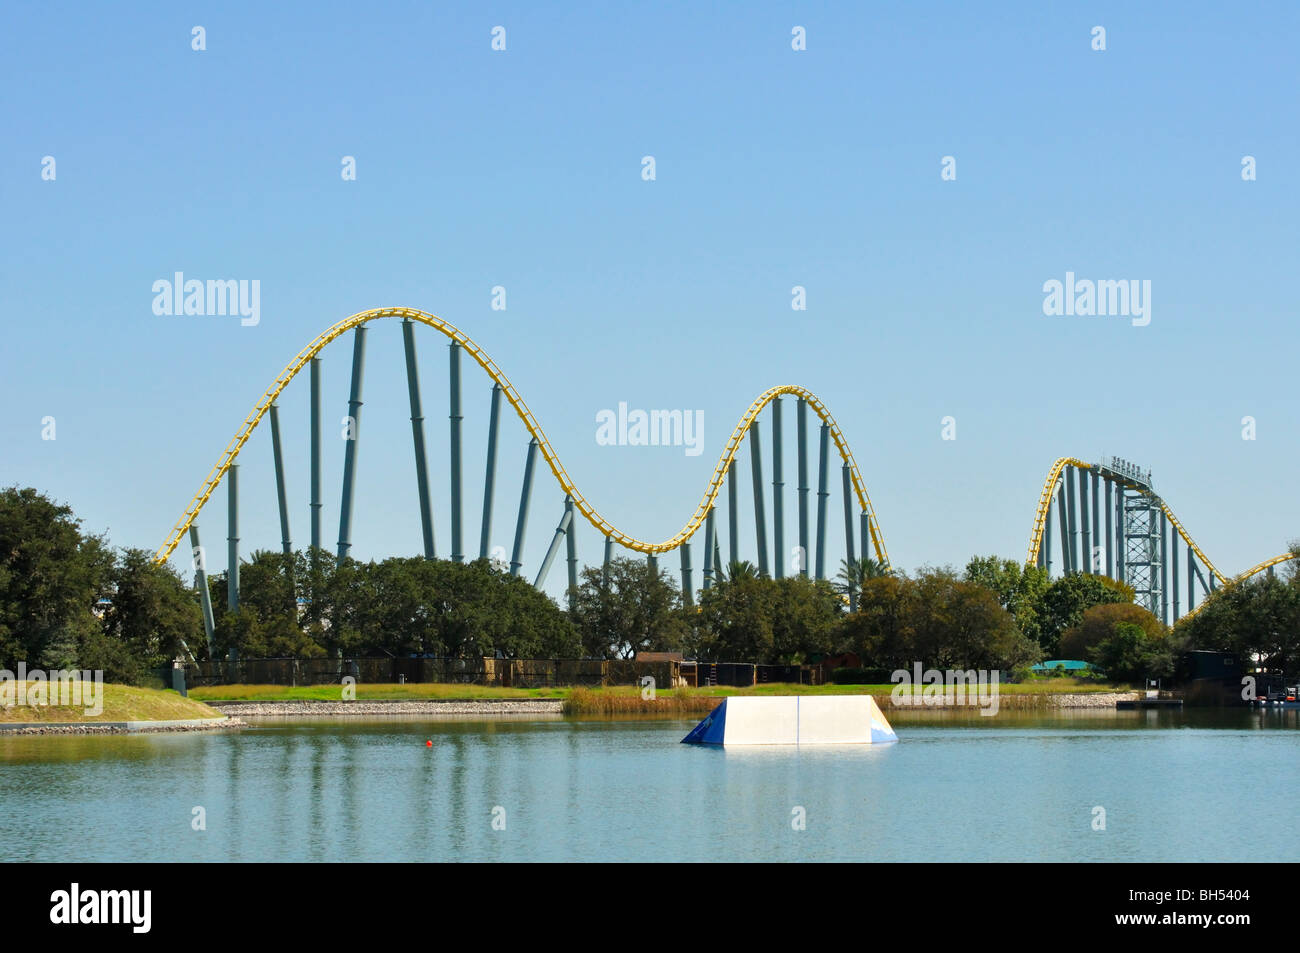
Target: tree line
68,599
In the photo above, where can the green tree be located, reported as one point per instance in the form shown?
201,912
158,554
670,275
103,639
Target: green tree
1256,619
1019,588
937,619
805,619
1067,599
1098,624
736,620
1129,654
151,619
51,578
627,608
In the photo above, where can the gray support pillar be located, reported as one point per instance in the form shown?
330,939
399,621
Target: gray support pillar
232,538
864,525
778,484
822,495
554,548
652,561
1174,575
1110,530
1098,565
489,480
201,582
1045,553
609,553
688,586
733,515
1066,566
1085,523
353,434
717,557
1119,534
1072,516
760,514
708,550
279,481
417,434
457,550
1205,588
1164,568
848,530
571,549
802,428
516,558
1191,578
315,453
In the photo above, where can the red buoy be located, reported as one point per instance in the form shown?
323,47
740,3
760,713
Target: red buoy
428,744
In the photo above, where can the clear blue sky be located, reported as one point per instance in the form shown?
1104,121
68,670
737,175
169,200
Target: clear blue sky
775,168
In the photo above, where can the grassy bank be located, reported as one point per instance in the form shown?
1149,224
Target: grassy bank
621,699
120,703
383,691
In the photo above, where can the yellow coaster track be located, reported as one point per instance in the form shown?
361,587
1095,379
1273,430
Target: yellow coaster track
1045,502
603,526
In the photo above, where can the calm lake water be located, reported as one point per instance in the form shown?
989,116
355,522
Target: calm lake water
1175,786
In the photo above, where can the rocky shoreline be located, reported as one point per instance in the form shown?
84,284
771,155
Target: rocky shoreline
119,727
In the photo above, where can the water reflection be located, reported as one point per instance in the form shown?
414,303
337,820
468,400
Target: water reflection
1021,785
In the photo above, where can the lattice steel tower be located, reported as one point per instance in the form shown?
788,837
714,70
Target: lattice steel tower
1141,524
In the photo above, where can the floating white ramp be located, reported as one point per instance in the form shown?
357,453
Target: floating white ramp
794,720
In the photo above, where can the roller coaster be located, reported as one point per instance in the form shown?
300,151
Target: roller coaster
1136,521
1110,521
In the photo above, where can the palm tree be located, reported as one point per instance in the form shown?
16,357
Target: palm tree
853,574
740,570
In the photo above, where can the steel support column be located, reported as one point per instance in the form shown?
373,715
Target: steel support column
688,586
778,512
232,538
733,515
1061,512
760,515
353,435
609,553
489,480
554,548
1174,574
1045,554
802,429
851,558
1191,578
1120,544
1096,562
281,496
417,434
201,582
822,495
1110,529
315,453
1164,568
1089,563
454,416
571,550
1072,515
708,550
516,558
